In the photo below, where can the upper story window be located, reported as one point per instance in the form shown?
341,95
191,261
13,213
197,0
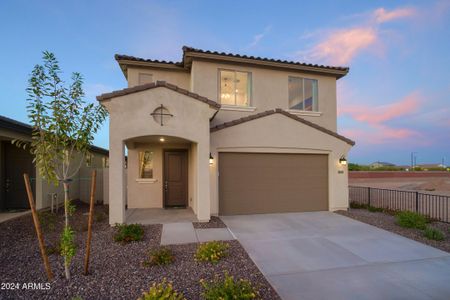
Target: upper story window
303,94
145,78
235,88
89,159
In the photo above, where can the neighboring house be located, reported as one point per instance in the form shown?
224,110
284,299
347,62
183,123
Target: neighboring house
14,162
380,164
226,134
431,166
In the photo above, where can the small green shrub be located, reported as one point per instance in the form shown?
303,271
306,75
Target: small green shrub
162,256
375,209
212,251
357,205
47,220
160,291
433,234
100,216
228,288
410,219
127,233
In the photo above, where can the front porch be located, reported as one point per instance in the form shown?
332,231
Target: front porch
146,216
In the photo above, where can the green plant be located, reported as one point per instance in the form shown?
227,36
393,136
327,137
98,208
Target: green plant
63,129
47,220
212,251
433,234
160,291
375,209
357,205
228,288
410,219
127,233
67,244
162,256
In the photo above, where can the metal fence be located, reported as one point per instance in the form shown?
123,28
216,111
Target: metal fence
433,206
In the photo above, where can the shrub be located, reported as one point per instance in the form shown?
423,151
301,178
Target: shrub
433,234
375,209
161,291
127,233
162,256
100,216
212,251
47,220
410,219
228,288
357,205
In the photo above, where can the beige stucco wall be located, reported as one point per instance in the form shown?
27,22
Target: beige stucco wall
146,193
179,78
282,135
269,91
130,118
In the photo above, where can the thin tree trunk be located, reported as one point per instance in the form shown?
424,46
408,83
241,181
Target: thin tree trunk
91,213
66,224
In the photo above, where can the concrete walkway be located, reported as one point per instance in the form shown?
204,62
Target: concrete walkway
323,255
147,216
184,233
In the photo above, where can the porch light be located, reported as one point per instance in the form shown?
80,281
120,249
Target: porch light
343,160
161,139
211,159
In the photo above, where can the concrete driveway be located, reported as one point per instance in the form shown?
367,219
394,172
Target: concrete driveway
322,255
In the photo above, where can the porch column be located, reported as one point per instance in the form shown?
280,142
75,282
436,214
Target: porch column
203,188
117,186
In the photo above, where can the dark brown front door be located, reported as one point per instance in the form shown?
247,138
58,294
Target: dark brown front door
175,178
17,161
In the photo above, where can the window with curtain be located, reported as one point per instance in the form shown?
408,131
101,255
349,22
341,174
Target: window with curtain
146,164
303,94
235,88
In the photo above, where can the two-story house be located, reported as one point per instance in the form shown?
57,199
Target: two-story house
226,134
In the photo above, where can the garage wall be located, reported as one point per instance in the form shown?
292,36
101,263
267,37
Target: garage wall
277,133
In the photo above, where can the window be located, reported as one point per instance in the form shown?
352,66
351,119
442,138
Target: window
235,88
145,78
89,159
146,164
105,161
303,94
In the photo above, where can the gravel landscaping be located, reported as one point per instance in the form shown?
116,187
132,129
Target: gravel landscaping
214,222
117,271
388,222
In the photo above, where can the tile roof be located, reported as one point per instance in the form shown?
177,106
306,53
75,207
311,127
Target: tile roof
285,113
157,84
120,57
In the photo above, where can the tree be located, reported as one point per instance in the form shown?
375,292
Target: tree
63,130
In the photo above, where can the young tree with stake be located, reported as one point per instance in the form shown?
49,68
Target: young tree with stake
63,129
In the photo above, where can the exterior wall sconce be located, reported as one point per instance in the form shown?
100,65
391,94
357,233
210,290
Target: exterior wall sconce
343,160
211,159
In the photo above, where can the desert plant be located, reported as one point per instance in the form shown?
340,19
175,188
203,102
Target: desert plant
162,256
212,251
375,209
47,220
357,205
409,219
433,234
160,291
228,288
63,129
126,233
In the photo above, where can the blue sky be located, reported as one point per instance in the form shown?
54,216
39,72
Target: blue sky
395,99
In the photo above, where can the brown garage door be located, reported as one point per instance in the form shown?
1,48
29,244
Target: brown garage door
252,183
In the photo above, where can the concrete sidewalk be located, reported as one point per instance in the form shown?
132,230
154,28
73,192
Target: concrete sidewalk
184,233
323,255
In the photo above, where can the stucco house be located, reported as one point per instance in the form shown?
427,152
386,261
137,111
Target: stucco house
225,134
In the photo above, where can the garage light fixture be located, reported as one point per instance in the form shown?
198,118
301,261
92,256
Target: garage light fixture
343,160
211,159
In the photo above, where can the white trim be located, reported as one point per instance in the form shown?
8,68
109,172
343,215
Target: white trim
305,112
237,108
146,180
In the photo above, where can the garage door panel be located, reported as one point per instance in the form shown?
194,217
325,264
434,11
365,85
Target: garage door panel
267,183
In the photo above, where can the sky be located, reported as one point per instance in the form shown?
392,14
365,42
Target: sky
394,101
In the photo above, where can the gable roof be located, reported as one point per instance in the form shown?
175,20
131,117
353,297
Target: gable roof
285,113
148,86
20,127
190,54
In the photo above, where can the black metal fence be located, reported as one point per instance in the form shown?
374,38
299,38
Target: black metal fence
433,206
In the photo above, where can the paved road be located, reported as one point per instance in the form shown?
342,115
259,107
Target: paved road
322,255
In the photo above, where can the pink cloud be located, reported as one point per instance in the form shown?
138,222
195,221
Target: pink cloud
382,134
382,15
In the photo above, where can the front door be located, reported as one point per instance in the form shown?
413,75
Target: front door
175,186
17,161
